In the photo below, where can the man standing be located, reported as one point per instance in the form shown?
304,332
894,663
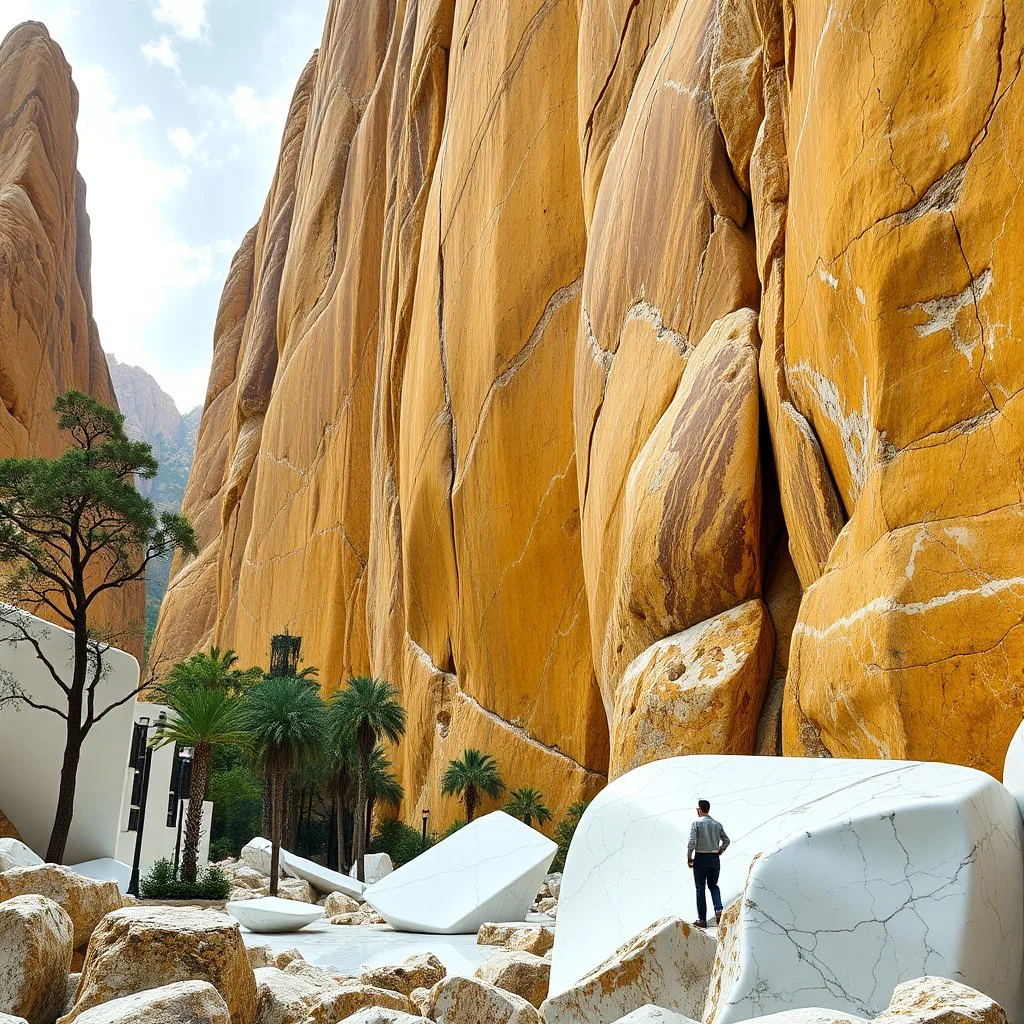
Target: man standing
708,842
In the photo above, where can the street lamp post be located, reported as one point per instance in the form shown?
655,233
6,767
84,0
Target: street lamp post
184,781
146,759
426,815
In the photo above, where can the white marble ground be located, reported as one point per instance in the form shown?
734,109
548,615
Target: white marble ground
862,874
351,949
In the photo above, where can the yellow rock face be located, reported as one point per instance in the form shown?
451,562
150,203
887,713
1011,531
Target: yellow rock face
903,320
49,342
571,328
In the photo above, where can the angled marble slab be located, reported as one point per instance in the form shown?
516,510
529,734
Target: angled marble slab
322,879
271,915
256,853
855,876
490,870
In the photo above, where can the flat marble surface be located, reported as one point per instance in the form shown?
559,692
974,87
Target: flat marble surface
489,870
868,873
106,869
351,949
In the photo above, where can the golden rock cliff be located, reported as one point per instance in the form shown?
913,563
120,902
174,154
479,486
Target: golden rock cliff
629,379
49,342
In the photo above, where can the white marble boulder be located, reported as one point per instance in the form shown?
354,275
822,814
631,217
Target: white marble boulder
1013,767
273,916
489,870
855,876
15,854
257,854
375,867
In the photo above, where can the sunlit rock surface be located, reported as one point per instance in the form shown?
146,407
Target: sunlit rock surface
569,327
49,342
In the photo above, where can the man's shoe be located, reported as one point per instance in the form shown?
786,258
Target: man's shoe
700,924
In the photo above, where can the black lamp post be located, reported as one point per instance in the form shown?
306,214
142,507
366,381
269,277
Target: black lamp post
143,764
426,815
184,781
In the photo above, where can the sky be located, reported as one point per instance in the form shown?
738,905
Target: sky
182,106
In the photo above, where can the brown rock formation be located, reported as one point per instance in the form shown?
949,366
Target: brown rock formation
571,332
48,338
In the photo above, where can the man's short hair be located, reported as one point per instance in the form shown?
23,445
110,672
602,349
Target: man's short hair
704,805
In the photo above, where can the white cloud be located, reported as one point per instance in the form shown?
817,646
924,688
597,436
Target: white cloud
183,141
186,17
142,266
161,52
57,15
255,113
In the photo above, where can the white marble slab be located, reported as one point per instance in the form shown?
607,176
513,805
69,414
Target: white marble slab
15,854
106,869
867,874
322,879
269,914
375,867
1013,767
257,853
490,870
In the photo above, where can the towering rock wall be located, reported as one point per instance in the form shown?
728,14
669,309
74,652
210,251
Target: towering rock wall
48,337
629,378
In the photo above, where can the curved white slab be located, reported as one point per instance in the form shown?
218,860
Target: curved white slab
257,853
273,915
867,873
322,879
490,870
1013,767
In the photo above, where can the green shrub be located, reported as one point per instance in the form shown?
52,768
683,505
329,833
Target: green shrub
453,828
399,841
162,883
565,830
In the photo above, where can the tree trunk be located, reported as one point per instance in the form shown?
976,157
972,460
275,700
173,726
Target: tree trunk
359,832
66,794
194,817
470,803
276,800
337,832
371,802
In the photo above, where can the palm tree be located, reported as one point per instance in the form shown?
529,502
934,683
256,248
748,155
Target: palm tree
215,669
382,786
474,773
528,806
285,719
365,712
203,718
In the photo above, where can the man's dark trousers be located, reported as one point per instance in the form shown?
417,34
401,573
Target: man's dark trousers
706,867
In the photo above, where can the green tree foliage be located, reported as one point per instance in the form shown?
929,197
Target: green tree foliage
213,669
399,841
73,528
528,806
472,775
236,791
365,712
565,830
203,718
285,718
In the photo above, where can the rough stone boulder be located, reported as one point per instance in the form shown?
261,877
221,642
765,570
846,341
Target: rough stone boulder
7,829
35,955
140,948
284,997
260,955
184,1002
940,1001
422,970
15,854
534,939
335,1005
525,974
456,1000
697,692
383,1015
86,900
338,903
669,964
